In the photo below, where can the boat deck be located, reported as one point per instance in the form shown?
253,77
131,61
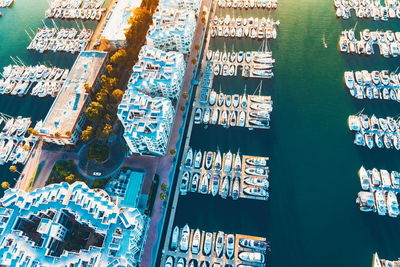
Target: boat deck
212,258
222,173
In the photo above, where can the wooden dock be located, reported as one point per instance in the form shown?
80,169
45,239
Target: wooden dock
250,109
233,174
212,258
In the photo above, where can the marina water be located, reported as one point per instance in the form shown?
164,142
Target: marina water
311,217
25,16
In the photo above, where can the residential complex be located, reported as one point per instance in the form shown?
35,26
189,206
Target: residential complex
158,73
68,225
147,122
114,31
172,30
64,120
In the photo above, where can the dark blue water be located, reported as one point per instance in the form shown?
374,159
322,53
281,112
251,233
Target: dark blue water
311,217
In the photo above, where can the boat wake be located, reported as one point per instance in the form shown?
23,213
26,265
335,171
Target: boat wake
324,42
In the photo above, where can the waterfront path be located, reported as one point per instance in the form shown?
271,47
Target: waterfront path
166,164
100,27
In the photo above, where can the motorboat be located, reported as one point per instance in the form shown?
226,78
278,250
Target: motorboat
218,161
254,244
181,262
209,160
214,117
221,99
195,182
237,165
380,200
242,119
206,117
204,183
243,102
198,116
395,178
189,158
228,100
365,180
235,188
207,243
169,262
254,257
184,242
215,184
232,118
235,101
256,161
256,191
175,238
196,242
392,204
198,159
258,171
230,246
184,183
228,161
212,98
261,182
225,187
219,244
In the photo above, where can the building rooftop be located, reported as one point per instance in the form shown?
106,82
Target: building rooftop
158,73
37,226
67,107
118,21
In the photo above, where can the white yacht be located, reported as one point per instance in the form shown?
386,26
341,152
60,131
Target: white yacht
228,161
215,184
204,183
195,182
207,243
184,242
219,244
235,188
365,180
198,159
196,242
261,182
254,257
184,183
230,245
175,238
256,191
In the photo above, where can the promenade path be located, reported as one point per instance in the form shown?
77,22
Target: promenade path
166,164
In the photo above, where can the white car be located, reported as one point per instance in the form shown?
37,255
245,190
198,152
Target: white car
96,173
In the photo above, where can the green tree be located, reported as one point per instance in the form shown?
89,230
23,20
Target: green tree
70,178
94,111
185,95
87,134
117,94
172,152
164,187
119,57
13,168
194,61
183,108
5,185
163,196
197,47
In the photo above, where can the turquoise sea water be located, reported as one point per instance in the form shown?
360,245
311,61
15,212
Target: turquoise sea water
311,217
26,16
